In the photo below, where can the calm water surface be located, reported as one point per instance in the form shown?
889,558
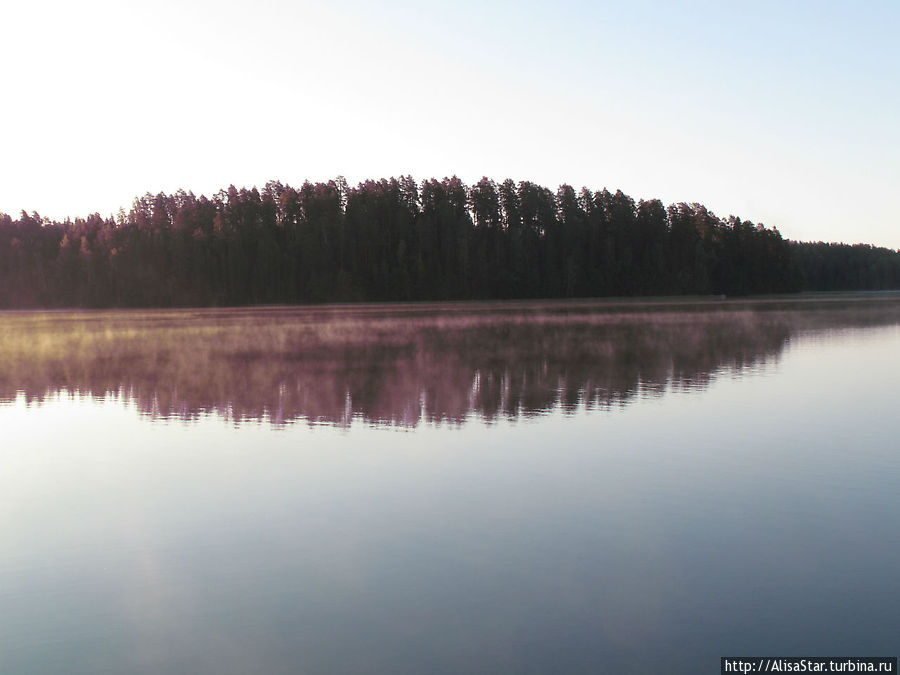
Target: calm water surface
523,488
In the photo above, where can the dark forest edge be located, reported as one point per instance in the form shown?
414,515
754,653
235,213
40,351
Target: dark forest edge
398,240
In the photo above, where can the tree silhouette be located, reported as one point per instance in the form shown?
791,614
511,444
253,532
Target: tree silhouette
398,240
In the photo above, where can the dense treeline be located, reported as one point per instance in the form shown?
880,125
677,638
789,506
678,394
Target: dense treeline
395,239
841,267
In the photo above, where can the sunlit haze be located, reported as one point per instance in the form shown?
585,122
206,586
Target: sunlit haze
781,113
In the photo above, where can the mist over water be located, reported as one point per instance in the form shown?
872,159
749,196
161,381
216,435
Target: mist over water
402,364
578,487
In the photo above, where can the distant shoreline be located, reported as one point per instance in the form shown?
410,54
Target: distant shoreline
640,303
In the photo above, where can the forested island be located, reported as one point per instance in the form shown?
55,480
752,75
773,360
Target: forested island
399,240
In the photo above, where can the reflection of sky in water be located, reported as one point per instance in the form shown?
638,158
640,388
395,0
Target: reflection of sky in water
752,515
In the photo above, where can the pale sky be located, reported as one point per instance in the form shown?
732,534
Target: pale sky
784,113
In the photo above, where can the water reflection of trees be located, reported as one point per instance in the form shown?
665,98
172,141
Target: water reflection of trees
401,365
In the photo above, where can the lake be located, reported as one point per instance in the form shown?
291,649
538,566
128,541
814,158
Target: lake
489,488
